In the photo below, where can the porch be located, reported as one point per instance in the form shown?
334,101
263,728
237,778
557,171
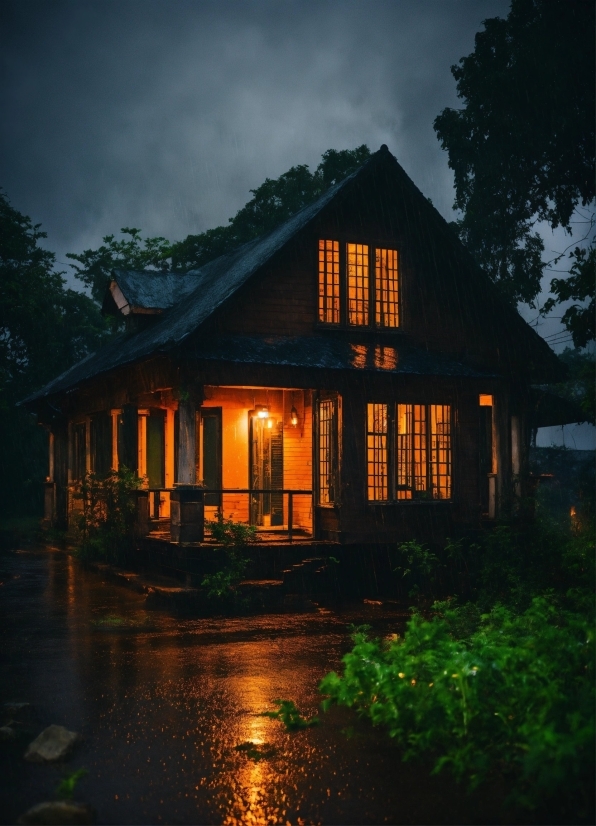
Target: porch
190,517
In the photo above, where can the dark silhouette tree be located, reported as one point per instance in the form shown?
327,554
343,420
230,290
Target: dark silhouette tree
44,329
522,147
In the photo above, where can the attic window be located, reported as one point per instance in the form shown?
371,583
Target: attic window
329,282
360,287
386,288
358,284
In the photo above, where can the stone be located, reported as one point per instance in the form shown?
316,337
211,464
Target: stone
54,743
7,733
58,813
13,709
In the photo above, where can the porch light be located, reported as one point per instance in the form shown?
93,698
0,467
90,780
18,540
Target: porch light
294,416
262,412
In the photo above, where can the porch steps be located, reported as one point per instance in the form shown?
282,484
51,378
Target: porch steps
310,576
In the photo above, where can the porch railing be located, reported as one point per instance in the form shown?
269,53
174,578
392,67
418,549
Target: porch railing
289,492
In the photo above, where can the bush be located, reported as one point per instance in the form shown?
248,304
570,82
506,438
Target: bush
106,524
517,695
235,537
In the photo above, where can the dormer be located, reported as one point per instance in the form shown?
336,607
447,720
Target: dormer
138,297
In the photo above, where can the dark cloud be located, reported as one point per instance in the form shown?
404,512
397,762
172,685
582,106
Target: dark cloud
163,115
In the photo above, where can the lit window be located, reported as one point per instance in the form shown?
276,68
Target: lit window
358,284
386,288
329,281
377,453
423,451
485,400
327,451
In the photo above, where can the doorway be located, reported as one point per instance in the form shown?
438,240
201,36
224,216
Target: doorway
266,471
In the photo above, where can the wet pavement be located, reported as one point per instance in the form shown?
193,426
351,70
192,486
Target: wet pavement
163,702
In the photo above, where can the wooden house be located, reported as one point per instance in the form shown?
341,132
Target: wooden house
352,376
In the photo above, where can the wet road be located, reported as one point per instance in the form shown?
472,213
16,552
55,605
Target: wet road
162,704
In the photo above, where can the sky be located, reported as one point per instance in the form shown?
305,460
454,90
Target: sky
163,114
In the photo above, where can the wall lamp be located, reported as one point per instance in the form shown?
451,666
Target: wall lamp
294,417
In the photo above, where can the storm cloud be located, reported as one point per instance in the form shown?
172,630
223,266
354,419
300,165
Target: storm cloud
163,115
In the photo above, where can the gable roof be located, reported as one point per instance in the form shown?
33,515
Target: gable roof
216,282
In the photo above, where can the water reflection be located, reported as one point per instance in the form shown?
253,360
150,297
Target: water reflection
163,704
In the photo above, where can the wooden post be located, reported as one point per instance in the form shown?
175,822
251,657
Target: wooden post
187,515
129,456
61,451
187,443
290,514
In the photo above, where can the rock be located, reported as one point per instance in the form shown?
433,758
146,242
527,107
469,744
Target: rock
7,733
14,709
54,743
58,813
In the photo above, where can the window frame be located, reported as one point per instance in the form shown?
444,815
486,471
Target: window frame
393,486
373,290
335,442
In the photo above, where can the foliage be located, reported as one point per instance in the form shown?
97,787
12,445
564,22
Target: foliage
256,751
418,566
580,385
44,329
65,789
288,714
522,147
131,253
578,286
234,537
106,523
516,695
231,534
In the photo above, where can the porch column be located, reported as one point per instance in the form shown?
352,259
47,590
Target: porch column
61,451
187,442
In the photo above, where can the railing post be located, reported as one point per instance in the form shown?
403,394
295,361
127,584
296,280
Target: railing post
290,514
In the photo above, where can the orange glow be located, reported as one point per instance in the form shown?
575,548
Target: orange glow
329,282
359,355
358,284
485,400
376,450
386,288
385,357
423,450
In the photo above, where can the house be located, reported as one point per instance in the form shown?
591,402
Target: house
352,377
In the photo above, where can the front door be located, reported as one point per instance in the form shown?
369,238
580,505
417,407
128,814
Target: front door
266,471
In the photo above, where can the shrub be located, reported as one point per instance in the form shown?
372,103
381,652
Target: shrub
517,695
235,537
106,523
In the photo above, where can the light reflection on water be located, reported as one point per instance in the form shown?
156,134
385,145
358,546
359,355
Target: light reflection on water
163,703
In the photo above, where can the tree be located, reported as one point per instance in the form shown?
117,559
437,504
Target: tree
579,286
522,148
44,328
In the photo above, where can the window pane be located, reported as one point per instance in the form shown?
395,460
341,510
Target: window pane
404,451
329,281
327,458
376,449
420,459
386,288
440,450
357,261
